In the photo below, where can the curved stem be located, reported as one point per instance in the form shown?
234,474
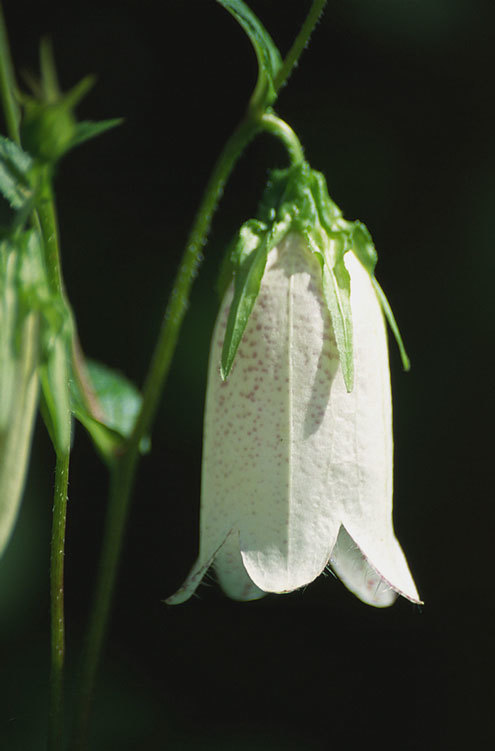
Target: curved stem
191,258
300,42
124,469
55,730
282,130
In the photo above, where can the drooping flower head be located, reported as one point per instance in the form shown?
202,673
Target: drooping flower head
297,462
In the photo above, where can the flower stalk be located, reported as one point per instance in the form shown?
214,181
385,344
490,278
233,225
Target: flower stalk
57,617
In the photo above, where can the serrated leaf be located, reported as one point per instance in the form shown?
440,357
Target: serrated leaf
86,130
269,58
387,310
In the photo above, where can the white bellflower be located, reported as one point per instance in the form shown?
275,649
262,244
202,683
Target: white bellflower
297,468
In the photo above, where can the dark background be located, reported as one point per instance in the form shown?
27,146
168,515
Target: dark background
394,102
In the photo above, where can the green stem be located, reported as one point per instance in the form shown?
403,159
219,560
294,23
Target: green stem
7,84
300,42
46,214
124,469
55,730
282,130
46,219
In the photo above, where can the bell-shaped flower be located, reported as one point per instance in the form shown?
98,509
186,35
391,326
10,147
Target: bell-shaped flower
297,462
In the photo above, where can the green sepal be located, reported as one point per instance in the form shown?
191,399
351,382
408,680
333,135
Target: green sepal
296,199
49,125
249,260
269,58
387,311
336,283
86,130
364,248
49,128
300,192
300,195
118,405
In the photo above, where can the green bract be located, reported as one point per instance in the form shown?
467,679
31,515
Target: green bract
296,199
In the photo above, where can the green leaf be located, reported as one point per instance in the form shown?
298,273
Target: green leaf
118,401
406,363
269,58
86,130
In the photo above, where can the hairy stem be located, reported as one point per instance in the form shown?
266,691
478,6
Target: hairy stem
300,42
56,718
124,467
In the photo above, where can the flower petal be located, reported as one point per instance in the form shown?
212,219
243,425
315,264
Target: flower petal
266,426
201,566
355,572
15,439
361,452
231,572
